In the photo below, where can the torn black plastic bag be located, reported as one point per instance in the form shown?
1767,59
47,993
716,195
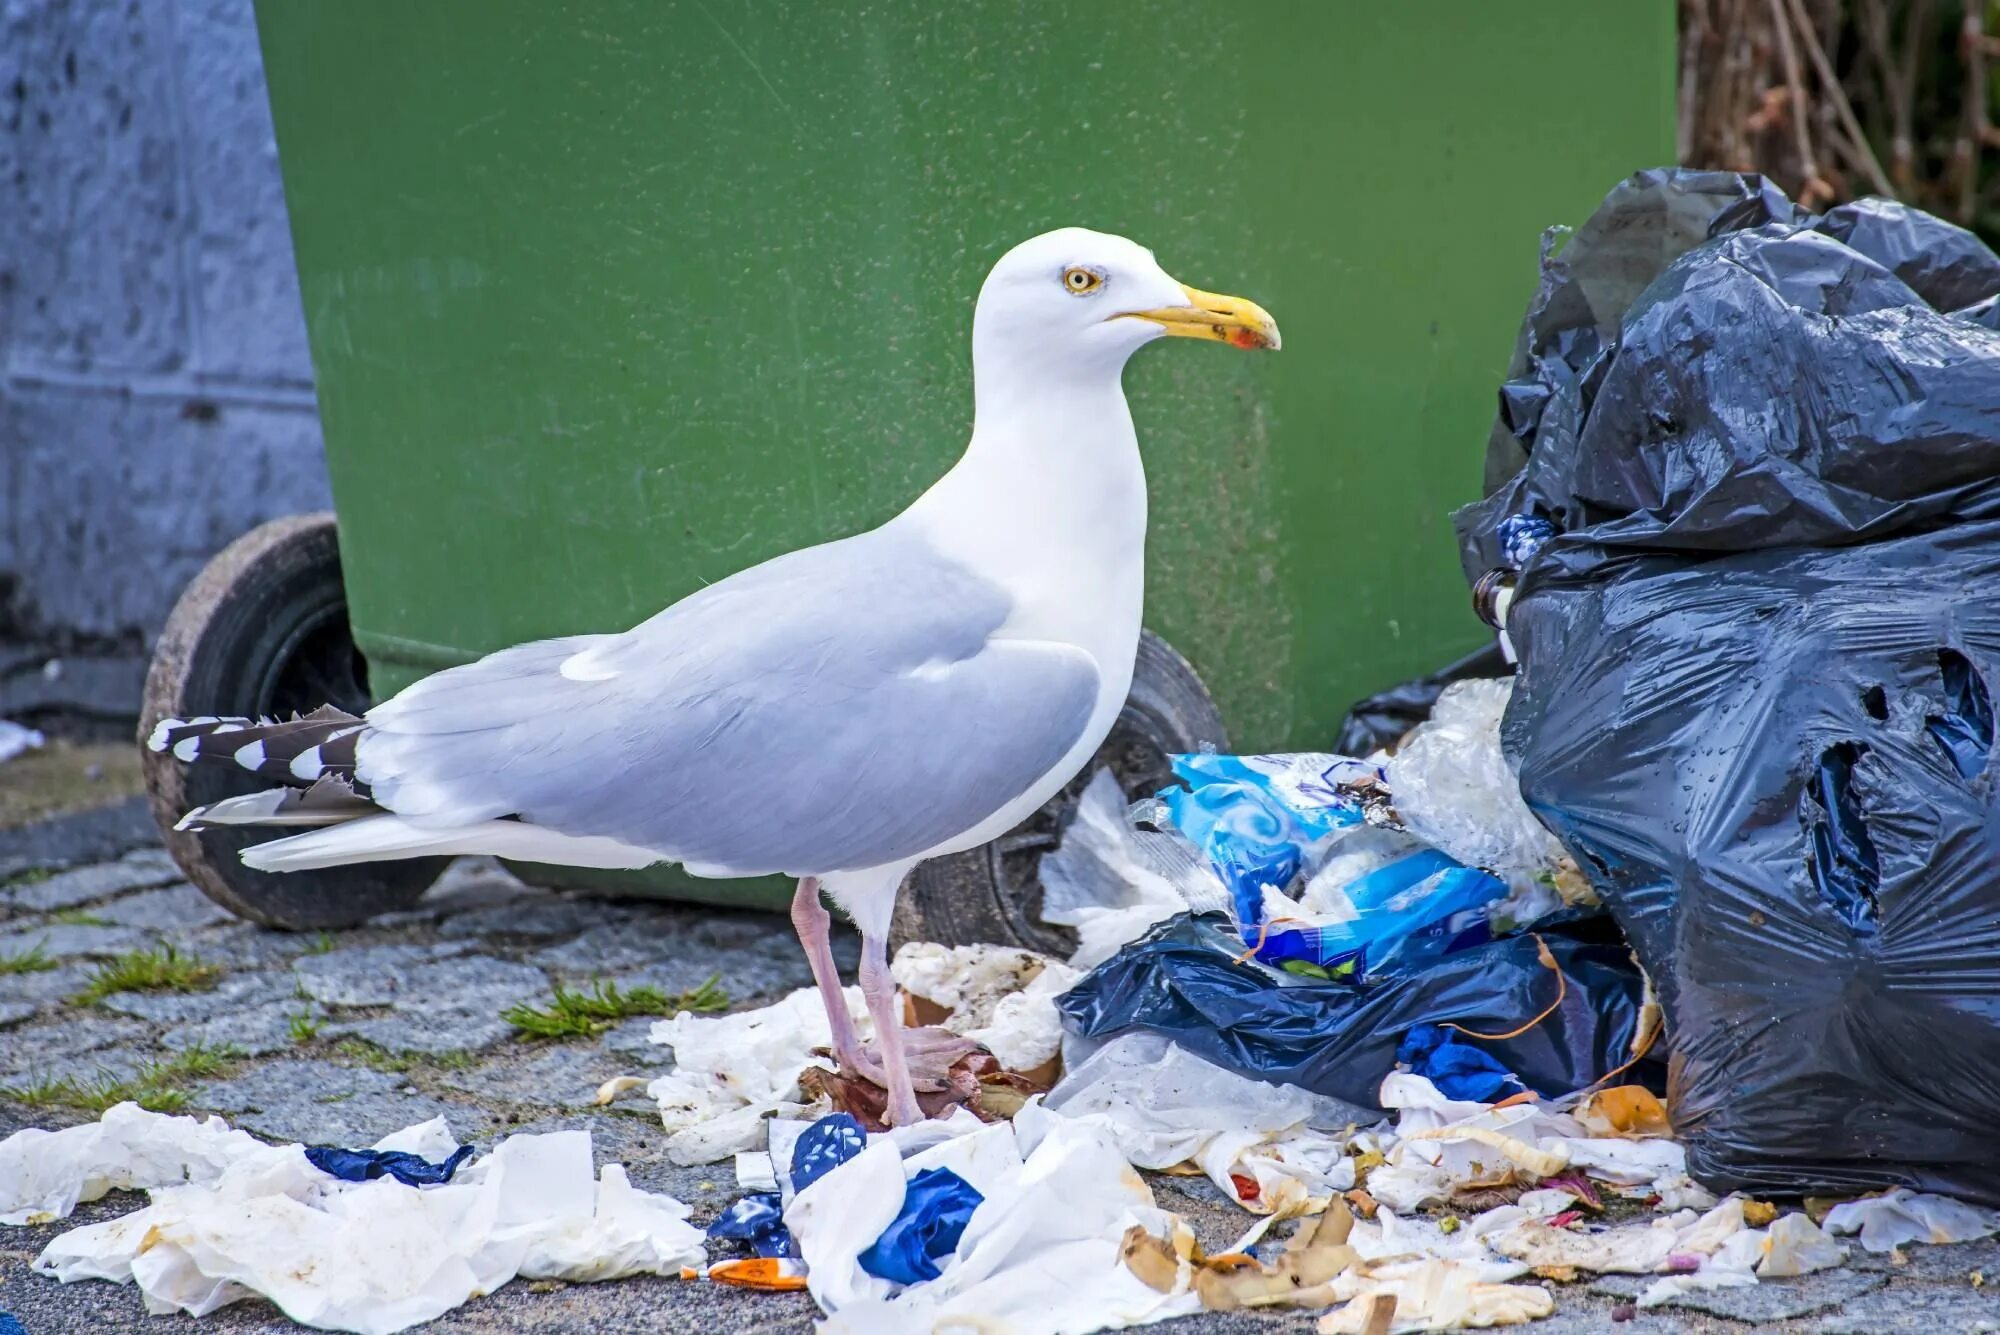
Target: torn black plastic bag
1334,1037
1755,668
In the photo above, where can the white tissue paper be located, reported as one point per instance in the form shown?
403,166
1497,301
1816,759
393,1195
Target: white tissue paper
378,1257
732,1073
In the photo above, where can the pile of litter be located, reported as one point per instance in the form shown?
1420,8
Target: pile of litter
367,1241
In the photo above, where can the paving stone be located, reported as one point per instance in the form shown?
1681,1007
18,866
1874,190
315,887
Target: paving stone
525,916
13,1012
64,939
134,871
467,884
233,992
742,976
432,1032
1953,1263
45,986
52,1050
370,976
633,1041
174,908
316,1102
245,945
1913,1306
255,1032
1780,1300
564,1076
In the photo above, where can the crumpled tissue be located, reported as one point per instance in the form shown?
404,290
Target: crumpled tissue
1039,1256
378,1257
734,1072
45,1174
1888,1221
1001,998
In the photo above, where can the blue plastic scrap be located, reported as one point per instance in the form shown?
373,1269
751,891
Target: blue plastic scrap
1458,1069
11,1325
1521,536
937,1205
825,1146
412,1170
757,1219
1407,912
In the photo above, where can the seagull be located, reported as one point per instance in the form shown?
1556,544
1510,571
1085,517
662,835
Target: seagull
837,714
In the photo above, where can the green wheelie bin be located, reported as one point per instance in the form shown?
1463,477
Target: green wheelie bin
608,299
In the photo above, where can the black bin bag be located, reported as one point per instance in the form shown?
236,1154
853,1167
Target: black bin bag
1756,660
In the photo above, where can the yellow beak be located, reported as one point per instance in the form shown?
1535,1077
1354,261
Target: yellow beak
1212,315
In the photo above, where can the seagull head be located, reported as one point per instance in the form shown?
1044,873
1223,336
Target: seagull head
1083,299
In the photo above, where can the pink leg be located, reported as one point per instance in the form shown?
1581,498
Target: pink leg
880,990
812,920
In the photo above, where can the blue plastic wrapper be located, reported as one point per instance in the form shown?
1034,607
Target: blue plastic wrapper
1460,1070
757,1219
411,1170
1410,911
1262,821
937,1205
825,1146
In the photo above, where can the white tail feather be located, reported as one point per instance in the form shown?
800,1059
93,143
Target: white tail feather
387,836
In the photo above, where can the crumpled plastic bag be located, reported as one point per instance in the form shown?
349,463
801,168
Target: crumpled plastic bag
1338,1038
1163,1106
999,997
1110,881
1039,1256
1455,790
378,1257
1888,1221
732,1073
44,1175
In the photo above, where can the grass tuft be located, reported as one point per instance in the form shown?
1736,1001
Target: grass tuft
32,960
376,1057
163,970
157,1086
322,944
302,1027
78,918
587,1014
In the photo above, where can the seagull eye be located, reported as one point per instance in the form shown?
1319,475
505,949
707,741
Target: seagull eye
1080,281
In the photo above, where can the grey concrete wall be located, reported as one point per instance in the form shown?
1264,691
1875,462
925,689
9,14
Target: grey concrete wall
155,388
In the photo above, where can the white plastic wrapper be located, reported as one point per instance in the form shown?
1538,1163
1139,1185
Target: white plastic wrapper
1162,1106
1111,881
45,1174
732,1073
378,1257
1000,997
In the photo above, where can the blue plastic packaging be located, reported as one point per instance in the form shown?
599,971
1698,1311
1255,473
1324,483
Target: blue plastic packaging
411,1170
937,1205
825,1146
757,1219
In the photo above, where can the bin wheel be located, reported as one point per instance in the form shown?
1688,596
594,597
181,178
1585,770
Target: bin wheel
993,893
263,630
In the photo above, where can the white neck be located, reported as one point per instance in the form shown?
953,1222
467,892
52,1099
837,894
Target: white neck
1049,500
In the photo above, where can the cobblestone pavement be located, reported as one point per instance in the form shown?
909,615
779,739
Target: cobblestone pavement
346,1036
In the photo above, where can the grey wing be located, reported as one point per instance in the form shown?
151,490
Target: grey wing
842,707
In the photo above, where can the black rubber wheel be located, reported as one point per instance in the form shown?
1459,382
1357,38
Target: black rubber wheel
263,630
993,894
